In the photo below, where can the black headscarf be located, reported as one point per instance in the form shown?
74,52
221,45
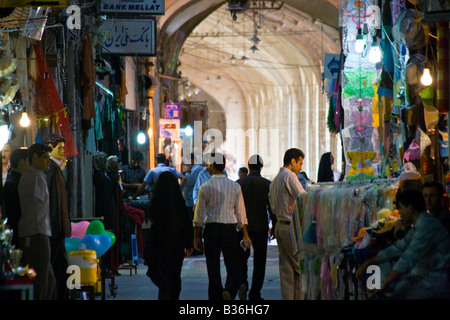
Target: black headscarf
170,232
325,173
168,214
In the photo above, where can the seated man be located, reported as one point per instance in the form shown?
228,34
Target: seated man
433,193
421,270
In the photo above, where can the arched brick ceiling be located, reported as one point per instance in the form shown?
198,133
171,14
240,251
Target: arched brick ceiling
285,70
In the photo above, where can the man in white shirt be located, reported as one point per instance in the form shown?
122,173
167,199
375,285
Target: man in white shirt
284,190
34,222
220,207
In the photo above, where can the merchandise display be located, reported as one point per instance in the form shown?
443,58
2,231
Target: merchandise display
331,222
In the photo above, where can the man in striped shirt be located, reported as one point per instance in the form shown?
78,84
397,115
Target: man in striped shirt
220,207
284,190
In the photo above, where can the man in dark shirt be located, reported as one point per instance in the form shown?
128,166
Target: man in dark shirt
133,174
433,193
59,212
255,190
19,165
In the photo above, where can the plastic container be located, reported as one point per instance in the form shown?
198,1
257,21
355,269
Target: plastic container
87,261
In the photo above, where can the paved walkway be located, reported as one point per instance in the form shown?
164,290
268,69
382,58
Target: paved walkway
194,280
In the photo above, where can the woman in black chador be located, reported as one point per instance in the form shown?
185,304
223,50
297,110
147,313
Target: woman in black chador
170,236
325,173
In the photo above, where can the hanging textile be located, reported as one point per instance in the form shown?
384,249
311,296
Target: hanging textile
335,212
49,103
88,76
442,85
360,23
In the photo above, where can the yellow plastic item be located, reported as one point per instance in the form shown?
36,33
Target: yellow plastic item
361,162
87,261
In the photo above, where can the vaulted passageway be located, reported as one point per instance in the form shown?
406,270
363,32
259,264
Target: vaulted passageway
256,78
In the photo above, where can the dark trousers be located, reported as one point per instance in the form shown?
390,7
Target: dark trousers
165,272
223,238
191,217
36,253
259,245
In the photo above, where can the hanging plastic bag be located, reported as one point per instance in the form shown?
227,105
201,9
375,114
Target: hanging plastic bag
408,30
311,234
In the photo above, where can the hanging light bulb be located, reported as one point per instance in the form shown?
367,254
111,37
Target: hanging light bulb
141,137
426,77
375,52
188,131
233,59
150,133
24,121
359,43
244,59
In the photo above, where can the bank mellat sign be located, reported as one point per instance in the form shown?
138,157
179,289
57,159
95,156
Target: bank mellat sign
151,7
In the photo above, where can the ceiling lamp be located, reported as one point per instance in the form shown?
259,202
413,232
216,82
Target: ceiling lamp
254,48
233,59
244,59
255,39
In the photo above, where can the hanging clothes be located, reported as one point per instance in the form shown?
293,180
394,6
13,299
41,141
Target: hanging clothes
335,213
49,103
88,76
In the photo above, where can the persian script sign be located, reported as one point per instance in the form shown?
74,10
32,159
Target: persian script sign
130,37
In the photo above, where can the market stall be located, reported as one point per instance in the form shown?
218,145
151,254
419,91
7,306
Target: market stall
388,103
389,107
326,220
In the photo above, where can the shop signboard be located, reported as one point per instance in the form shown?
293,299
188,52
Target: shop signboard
130,37
331,65
169,128
172,110
150,7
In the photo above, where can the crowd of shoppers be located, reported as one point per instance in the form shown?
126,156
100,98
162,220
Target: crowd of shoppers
202,211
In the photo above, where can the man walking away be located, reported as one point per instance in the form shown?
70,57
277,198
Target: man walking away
255,190
220,206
